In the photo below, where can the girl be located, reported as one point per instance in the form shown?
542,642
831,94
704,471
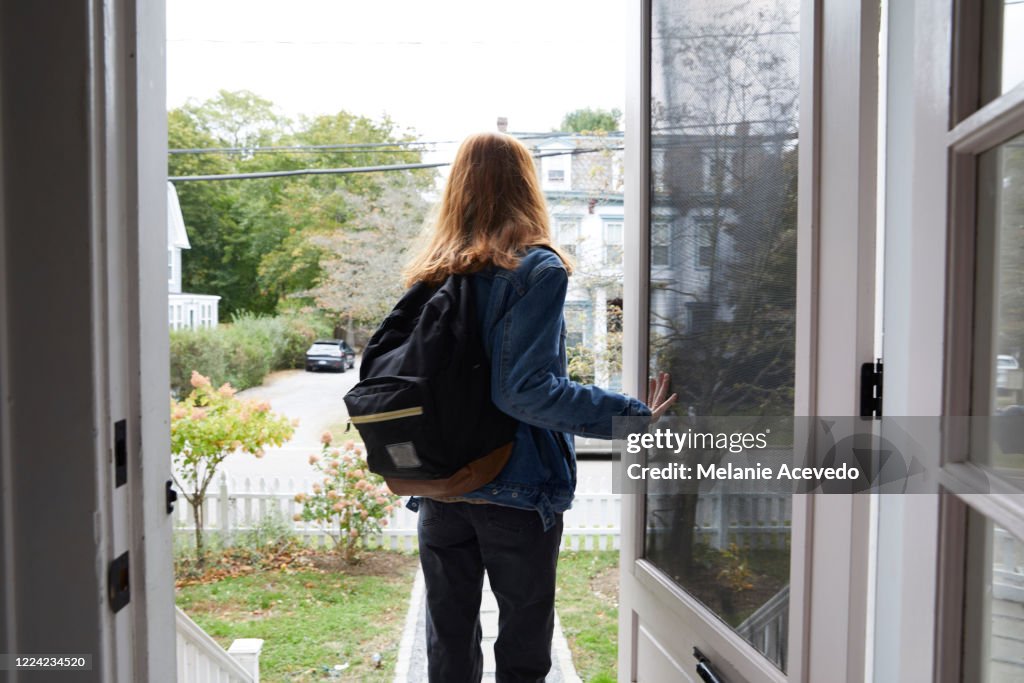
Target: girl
493,224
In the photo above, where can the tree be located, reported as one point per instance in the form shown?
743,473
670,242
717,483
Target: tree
589,120
362,263
206,426
238,118
251,239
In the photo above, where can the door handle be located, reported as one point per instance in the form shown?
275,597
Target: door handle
706,672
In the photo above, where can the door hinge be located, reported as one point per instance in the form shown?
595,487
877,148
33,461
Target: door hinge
871,389
118,588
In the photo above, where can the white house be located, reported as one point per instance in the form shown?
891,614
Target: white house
184,310
581,176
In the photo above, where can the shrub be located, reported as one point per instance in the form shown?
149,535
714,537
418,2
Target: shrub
735,572
581,361
242,352
201,350
272,531
351,502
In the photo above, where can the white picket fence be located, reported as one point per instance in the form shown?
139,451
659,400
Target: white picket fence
237,506
234,507
750,519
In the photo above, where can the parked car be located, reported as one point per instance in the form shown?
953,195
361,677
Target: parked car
333,354
1003,366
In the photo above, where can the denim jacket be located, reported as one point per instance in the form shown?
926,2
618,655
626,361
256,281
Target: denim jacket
521,314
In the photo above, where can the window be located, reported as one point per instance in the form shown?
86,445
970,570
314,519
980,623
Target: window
702,75
705,243
993,601
567,234
717,170
170,265
658,170
660,241
613,243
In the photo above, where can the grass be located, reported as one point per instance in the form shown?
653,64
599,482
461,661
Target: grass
312,616
588,607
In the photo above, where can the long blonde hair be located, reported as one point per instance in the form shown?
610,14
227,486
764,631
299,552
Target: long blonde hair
492,209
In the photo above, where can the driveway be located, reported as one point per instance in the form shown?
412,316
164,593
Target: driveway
315,399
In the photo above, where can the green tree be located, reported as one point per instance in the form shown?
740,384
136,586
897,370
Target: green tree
206,426
208,209
589,120
252,239
238,118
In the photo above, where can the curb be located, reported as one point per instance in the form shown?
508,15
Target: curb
560,652
409,632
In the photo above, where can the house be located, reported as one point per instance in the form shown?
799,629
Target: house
184,310
708,196
581,177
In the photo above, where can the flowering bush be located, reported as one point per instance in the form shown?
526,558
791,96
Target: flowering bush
350,502
206,426
736,571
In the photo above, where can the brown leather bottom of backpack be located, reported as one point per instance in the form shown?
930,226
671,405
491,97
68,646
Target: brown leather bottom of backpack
474,475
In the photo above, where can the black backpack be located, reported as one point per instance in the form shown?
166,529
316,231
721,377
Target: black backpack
423,403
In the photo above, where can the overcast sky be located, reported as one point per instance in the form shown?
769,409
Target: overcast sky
445,69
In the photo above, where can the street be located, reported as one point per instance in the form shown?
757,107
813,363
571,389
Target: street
315,399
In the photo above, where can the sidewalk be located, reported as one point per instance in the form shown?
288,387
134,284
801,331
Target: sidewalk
412,653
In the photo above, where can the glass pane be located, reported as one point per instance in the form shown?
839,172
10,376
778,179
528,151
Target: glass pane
994,604
1002,41
724,87
999,384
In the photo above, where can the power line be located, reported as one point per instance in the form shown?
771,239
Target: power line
298,148
360,169
378,147
307,171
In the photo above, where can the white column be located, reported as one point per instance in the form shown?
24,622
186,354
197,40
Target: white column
600,303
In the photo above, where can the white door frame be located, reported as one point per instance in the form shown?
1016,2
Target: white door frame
83,341
931,332
835,335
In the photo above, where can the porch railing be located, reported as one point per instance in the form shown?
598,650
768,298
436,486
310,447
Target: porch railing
202,660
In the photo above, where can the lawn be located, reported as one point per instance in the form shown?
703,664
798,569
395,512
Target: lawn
313,615
588,607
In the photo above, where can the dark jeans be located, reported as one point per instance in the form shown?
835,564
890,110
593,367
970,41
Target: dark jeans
457,542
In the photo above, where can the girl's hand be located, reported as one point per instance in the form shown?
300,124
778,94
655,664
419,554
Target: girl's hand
656,400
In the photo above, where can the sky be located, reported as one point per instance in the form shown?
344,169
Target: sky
444,69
